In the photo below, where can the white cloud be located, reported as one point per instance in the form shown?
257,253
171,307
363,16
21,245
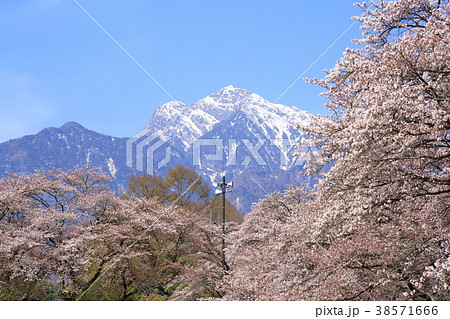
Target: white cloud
22,110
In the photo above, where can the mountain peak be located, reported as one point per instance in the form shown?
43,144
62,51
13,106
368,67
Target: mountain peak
173,104
231,87
233,90
229,97
71,126
186,123
170,108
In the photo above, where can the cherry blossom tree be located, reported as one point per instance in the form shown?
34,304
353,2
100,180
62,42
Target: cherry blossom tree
45,223
272,254
388,134
64,235
377,225
388,138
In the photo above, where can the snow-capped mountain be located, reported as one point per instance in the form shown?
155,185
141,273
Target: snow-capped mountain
232,130
186,123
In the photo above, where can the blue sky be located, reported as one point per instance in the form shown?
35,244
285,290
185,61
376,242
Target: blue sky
57,66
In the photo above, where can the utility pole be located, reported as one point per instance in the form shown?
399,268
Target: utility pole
223,190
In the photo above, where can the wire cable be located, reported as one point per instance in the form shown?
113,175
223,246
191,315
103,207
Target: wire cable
315,61
123,49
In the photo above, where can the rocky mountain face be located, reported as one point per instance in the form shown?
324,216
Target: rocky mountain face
186,123
233,131
66,147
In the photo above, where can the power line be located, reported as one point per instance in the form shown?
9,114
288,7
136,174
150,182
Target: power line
315,61
123,49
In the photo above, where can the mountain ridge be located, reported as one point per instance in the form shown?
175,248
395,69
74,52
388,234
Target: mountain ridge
65,147
198,118
245,131
252,132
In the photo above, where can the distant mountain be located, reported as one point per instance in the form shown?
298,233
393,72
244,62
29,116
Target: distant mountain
66,147
185,123
232,130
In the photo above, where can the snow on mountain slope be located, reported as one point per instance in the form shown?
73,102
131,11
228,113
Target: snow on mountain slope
177,121
249,127
254,138
186,123
224,102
